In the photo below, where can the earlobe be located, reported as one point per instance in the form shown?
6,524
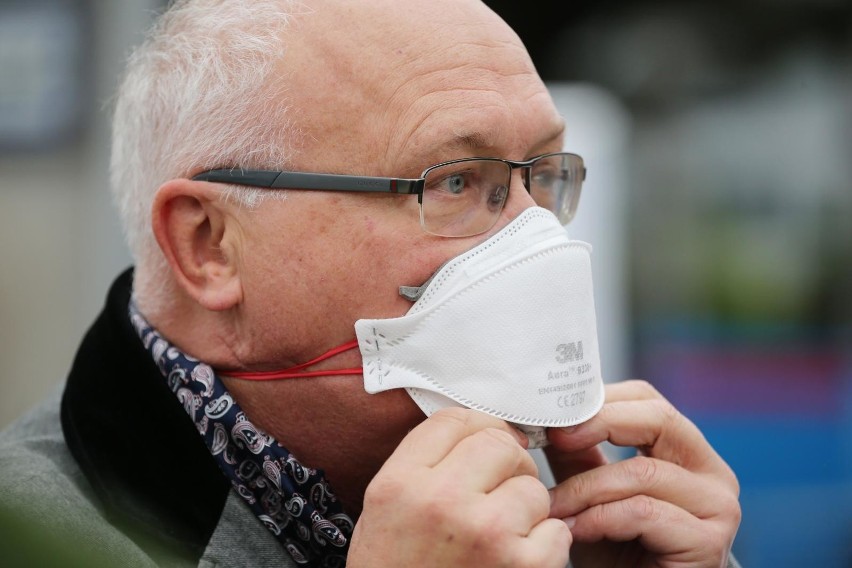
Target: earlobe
198,238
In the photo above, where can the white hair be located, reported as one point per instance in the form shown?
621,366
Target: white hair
203,90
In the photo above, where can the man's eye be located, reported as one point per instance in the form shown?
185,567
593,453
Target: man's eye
455,184
545,179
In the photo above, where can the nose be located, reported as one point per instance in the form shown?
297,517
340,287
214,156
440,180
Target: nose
517,201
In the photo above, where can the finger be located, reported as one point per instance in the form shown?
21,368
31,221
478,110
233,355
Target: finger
654,426
567,464
431,440
699,495
582,436
519,504
548,546
631,390
662,528
485,459
666,413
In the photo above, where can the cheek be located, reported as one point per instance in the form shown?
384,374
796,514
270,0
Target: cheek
369,225
335,264
378,260
375,271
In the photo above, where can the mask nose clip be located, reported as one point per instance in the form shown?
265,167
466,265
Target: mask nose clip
414,293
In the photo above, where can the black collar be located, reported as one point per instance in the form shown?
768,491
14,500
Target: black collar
134,442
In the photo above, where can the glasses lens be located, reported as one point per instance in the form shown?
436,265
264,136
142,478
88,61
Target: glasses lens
464,198
555,183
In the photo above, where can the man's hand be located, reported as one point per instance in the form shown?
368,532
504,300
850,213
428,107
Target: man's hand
674,504
460,490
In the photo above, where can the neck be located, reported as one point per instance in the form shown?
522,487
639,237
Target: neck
315,418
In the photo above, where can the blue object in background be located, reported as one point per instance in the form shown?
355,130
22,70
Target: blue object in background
779,411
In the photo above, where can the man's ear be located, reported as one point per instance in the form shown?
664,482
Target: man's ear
199,238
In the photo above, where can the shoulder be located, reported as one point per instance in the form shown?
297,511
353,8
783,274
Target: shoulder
34,459
47,508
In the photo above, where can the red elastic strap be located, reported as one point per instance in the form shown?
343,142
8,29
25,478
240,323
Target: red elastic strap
296,371
272,375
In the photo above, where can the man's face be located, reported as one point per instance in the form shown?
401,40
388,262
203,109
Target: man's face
395,88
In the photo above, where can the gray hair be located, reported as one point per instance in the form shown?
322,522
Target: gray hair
203,90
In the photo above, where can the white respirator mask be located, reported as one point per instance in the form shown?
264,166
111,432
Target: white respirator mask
507,328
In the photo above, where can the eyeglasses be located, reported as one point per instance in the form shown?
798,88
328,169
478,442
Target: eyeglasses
459,198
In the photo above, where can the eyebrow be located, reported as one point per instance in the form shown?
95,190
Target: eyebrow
472,140
476,139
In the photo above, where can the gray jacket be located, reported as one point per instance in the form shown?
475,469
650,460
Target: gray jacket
57,520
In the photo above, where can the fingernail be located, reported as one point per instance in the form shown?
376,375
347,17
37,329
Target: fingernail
570,521
569,429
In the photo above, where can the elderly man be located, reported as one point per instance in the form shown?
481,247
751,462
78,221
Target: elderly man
216,414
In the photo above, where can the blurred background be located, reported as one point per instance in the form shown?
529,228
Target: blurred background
718,137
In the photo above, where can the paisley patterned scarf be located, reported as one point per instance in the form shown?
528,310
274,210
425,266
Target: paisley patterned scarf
295,503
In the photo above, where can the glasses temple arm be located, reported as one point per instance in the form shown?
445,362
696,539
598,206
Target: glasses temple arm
301,180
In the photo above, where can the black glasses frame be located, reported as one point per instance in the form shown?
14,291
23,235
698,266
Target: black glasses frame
279,179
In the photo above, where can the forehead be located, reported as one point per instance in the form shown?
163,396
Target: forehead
387,88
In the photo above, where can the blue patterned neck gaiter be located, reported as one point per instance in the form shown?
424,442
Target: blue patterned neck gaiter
295,503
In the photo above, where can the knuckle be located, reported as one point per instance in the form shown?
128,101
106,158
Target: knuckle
669,417
505,447
730,509
644,469
485,530
596,517
643,508
535,494
499,437
385,489
733,483
666,410
736,514
579,488
437,513
468,422
646,388
453,414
